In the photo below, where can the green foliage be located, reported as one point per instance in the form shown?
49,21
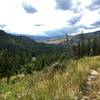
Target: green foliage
28,68
46,60
17,44
11,63
85,47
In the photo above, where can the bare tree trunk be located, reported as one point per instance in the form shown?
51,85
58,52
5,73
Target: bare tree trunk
8,79
69,53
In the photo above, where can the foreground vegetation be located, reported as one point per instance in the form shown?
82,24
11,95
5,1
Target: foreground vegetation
17,54
38,71
63,81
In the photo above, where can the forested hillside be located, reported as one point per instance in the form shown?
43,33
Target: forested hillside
83,44
17,54
21,43
73,38
77,46
39,71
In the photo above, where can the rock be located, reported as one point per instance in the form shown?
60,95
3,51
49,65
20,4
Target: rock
85,98
89,83
81,92
92,77
58,67
99,93
94,92
18,95
88,89
75,98
98,70
94,72
33,58
89,79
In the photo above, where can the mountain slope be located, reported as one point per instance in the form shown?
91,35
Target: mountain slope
66,82
74,38
44,38
23,43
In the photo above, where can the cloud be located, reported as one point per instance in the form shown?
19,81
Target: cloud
96,24
29,8
74,20
72,30
39,25
63,4
88,17
97,2
2,26
64,30
61,31
94,5
40,17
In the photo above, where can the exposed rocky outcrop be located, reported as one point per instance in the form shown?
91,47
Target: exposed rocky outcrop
91,86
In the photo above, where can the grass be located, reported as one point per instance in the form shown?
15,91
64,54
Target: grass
48,85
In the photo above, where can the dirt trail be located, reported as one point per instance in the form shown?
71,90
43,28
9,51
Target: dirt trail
91,90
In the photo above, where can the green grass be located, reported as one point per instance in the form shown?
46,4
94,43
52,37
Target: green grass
48,85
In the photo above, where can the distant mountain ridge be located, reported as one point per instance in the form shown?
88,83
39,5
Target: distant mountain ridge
53,37
16,43
88,35
73,38
43,38
29,42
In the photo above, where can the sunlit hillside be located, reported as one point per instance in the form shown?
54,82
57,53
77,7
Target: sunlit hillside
73,80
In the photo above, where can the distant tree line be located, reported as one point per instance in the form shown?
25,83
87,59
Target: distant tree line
83,47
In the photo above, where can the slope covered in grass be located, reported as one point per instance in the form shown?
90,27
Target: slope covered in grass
64,81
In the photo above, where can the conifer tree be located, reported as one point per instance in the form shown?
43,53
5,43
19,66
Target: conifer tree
68,47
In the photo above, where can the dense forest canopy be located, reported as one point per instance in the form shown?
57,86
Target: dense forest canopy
16,53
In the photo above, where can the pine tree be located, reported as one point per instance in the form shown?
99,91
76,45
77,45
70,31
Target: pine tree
88,47
7,64
79,53
68,47
94,45
82,45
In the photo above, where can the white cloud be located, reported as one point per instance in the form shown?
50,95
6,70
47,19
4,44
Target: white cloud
42,5
46,18
89,17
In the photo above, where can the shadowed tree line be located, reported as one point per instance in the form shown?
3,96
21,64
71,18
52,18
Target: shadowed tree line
83,47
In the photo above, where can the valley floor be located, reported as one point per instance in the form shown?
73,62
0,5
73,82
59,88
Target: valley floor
73,80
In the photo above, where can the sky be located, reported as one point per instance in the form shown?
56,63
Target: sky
49,17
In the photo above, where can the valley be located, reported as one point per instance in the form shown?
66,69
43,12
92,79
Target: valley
49,49
54,69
